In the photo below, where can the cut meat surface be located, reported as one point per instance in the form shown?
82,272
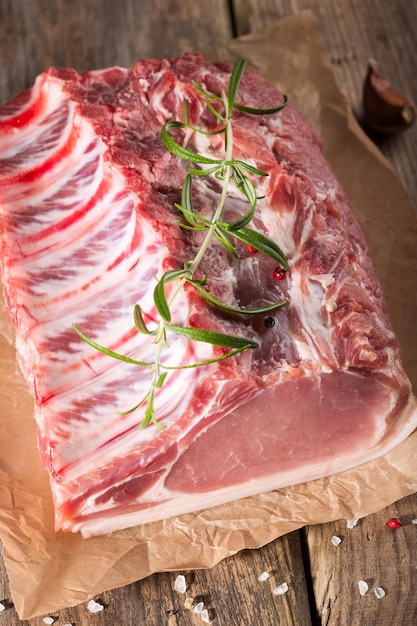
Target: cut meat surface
88,219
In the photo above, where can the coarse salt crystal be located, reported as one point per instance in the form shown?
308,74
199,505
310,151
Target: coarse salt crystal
414,521
180,585
199,607
2,606
94,607
336,540
379,592
205,616
48,620
263,576
363,587
351,523
279,591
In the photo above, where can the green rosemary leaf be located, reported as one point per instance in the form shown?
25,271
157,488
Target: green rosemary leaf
134,408
186,121
207,97
247,167
186,206
247,188
241,179
149,412
186,193
218,131
216,113
225,242
196,227
249,191
159,293
190,216
245,219
256,111
193,218
261,243
238,176
214,338
185,112
235,78
171,275
223,357
149,415
205,171
160,380
206,94
197,281
140,322
108,352
264,309
161,301
177,150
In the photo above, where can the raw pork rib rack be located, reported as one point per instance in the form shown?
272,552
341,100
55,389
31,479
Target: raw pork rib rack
87,193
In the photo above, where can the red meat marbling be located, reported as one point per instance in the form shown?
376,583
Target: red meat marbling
88,218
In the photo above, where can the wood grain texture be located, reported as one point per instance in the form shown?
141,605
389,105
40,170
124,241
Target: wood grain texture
90,34
87,34
371,551
231,592
353,32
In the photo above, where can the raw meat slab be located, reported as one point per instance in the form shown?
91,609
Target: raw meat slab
87,193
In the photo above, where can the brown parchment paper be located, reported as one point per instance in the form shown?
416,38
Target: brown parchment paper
49,571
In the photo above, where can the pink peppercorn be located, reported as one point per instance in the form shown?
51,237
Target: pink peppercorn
394,522
279,273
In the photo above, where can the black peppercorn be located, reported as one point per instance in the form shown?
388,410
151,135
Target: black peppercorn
269,322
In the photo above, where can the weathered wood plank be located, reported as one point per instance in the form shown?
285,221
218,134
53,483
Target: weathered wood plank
36,34
381,556
354,32
231,592
97,33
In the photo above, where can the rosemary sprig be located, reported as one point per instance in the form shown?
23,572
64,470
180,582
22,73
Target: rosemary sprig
227,171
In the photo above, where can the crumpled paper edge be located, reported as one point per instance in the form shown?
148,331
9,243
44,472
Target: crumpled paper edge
48,572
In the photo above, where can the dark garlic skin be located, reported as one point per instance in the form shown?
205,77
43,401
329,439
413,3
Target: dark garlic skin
385,110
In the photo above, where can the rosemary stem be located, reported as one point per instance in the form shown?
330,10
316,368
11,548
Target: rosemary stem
227,171
156,365
222,200
226,179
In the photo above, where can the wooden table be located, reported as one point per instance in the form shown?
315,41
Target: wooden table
86,34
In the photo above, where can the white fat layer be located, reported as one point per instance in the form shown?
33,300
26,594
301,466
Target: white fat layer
173,504
81,392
